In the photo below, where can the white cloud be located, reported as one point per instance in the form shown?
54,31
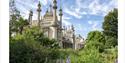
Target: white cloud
24,6
72,13
94,25
95,7
66,22
66,17
79,27
90,22
27,4
84,12
44,2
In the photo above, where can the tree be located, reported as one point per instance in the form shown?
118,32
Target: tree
96,39
21,24
14,16
96,36
110,27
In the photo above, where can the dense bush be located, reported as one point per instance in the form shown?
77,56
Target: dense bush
26,51
27,48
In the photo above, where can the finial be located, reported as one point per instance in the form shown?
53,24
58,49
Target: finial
39,5
54,1
60,4
54,4
60,14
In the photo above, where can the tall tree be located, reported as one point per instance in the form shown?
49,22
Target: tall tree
14,16
110,27
17,23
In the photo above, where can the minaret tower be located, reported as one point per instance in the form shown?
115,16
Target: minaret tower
60,26
54,27
54,11
30,17
39,10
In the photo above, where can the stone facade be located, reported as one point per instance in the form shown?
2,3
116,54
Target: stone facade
52,27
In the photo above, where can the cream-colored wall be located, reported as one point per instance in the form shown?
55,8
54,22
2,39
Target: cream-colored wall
34,23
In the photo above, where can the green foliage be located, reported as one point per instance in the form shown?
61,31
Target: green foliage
110,42
90,56
100,47
21,24
38,36
96,39
110,55
27,48
14,16
95,36
29,51
16,23
110,26
26,51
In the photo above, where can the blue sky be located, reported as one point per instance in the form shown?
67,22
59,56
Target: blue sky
85,15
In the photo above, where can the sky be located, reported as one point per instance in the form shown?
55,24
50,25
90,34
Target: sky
85,15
